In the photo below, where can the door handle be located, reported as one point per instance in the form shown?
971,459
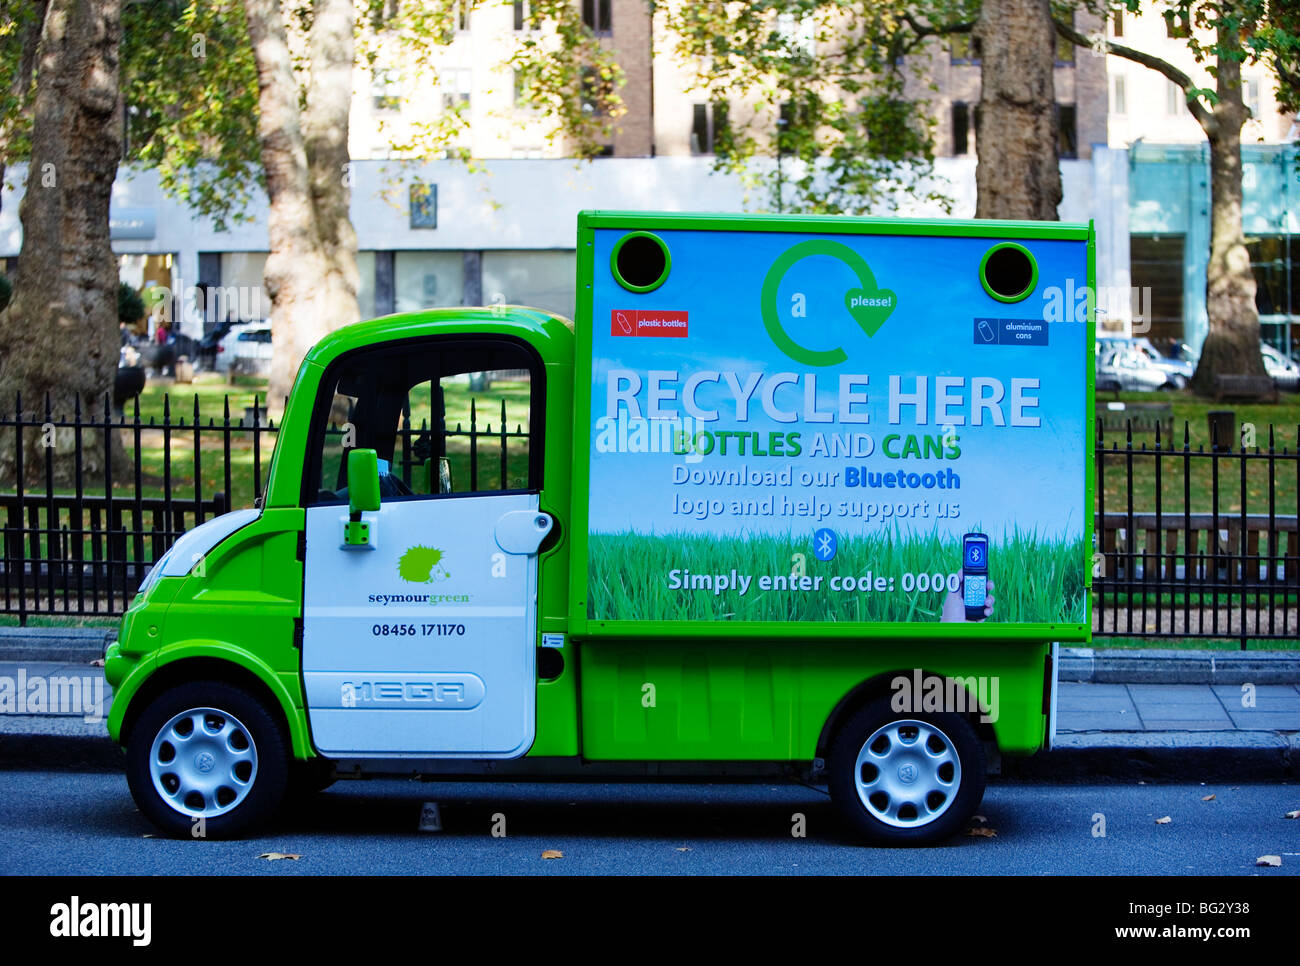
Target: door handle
522,531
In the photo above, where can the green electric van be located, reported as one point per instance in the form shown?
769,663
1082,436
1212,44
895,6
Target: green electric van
801,496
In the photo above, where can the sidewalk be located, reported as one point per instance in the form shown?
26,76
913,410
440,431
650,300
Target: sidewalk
1115,729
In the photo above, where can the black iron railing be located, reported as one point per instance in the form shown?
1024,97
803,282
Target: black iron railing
1196,542
1190,542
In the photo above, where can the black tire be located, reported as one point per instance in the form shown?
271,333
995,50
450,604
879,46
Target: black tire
950,730
237,723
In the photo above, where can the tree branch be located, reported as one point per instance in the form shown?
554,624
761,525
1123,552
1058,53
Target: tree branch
931,30
1205,118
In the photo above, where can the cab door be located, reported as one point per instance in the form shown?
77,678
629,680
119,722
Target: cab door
421,641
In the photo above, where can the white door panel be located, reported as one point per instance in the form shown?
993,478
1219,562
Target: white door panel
424,645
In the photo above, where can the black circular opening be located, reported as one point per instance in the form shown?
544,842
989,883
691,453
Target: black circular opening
550,663
1008,272
641,261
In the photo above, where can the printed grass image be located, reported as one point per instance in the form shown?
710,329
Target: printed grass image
1036,579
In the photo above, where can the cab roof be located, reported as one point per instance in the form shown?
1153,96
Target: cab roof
550,334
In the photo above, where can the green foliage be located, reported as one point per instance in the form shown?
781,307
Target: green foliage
17,20
827,84
565,72
1253,32
190,85
130,306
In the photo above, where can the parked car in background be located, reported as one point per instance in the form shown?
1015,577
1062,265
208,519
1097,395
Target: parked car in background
210,345
246,348
1131,369
1176,365
1283,369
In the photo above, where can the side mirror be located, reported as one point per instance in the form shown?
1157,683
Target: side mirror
363,497
363,481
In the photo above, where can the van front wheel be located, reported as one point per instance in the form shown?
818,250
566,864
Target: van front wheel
207,760
906,779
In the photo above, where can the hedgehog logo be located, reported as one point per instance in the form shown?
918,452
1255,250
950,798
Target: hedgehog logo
422,565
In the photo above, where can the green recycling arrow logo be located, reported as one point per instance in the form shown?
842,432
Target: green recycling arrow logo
870,306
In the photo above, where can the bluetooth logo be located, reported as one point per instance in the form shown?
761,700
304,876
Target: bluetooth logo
825,544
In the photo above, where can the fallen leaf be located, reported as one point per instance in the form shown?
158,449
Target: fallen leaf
552,854
983,833
683,849
1269,860
1141,783
274,856
1164,821
979,818
97,662
148,835
1295,814
1208,798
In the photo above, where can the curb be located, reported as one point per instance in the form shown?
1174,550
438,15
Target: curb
60,752
67,645
1092,666
1164,756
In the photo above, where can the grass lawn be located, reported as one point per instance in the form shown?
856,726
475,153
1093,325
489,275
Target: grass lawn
1193,476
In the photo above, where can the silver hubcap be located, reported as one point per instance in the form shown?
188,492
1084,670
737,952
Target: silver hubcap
203,762
907,773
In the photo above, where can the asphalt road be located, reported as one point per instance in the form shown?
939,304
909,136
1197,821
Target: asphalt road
61,822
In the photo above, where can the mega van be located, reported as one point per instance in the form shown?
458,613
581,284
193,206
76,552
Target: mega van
801,496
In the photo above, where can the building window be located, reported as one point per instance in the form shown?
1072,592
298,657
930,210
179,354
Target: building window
386,89
1175,99
521,13
1156,267
1118,95
1067,135
1117,24
596,15
964,49
461,10
709,121
456,85
1250,95
1065,48
596,92
960,128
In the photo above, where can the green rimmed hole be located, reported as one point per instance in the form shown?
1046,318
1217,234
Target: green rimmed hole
1008,272
640,261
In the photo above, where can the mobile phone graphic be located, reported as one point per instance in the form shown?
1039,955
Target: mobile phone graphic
975,574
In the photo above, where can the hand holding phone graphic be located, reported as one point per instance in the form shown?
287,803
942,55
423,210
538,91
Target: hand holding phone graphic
975,575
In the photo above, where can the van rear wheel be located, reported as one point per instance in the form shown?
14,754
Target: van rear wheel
207,760
906,779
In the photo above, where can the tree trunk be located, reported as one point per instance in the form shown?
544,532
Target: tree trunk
1232,343
311,272
59,336
1018,174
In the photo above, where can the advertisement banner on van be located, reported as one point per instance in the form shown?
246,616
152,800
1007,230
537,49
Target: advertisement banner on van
862,428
